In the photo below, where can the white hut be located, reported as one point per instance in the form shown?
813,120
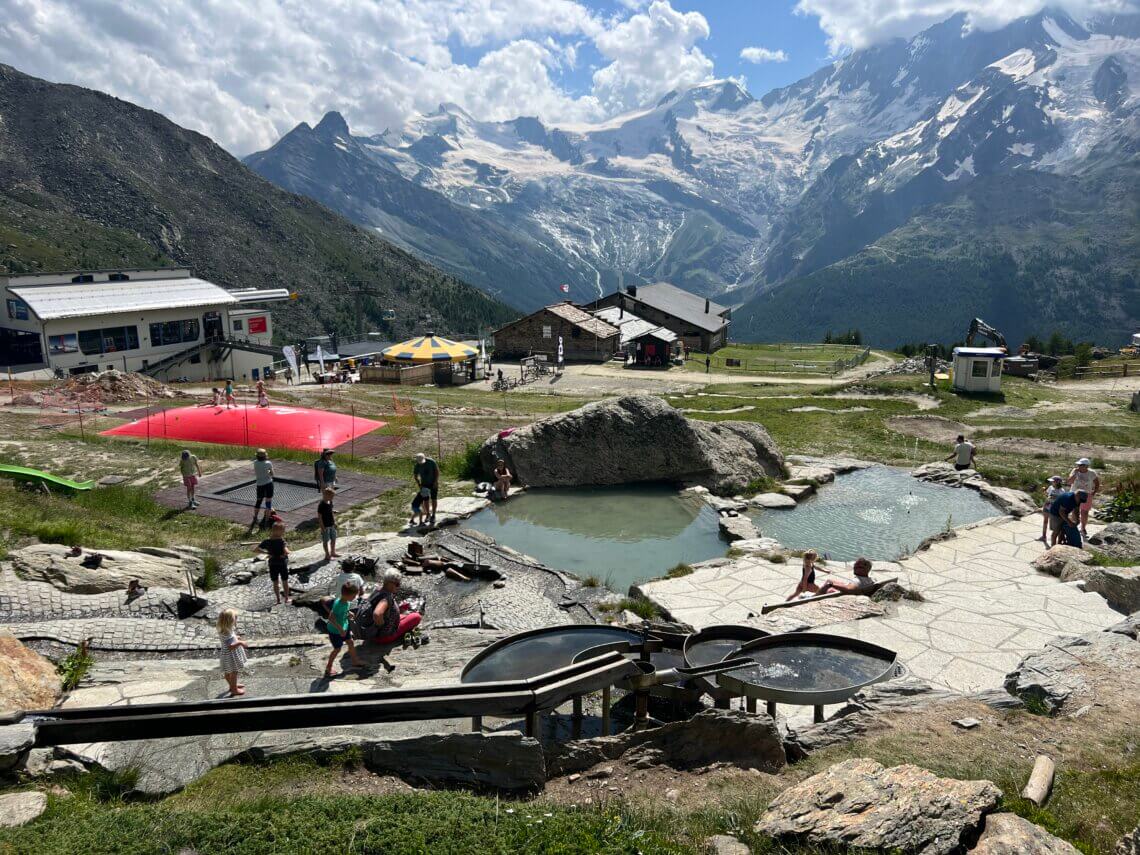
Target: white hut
978,369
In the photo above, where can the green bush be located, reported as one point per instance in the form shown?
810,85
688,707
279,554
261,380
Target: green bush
643,608
464,465
678,571
1124,506
74,667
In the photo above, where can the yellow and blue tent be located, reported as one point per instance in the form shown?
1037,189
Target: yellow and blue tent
428,348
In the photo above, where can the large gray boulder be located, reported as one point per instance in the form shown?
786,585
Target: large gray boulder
1056,559
713,736
1064,675
21,808
1120,540
1120,586
157,568
16,741
860,804
1009,834
633,439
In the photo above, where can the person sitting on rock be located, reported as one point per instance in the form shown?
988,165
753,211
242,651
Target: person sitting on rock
863,580
381,619
807,583
503,479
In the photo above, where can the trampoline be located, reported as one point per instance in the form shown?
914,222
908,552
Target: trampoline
270,427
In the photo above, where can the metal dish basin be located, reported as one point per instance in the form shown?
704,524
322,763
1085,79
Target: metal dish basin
808,668
538,651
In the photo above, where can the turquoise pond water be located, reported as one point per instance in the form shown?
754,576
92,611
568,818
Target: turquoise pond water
624,535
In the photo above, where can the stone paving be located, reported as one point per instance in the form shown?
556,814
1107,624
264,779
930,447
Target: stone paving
985,608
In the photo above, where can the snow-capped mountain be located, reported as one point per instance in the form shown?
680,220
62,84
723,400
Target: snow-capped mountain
723,193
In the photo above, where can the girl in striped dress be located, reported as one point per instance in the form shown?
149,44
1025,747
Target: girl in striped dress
233,651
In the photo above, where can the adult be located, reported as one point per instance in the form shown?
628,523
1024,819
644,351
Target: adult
863,580
325,471
263,484
807,584
326,518
963,454
1085,480
191,471
426,473
384,620
708,364
1065,517
503,478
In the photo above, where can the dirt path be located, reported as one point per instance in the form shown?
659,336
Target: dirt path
939,429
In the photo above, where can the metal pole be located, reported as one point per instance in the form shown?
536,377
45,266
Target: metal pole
476,724
606,711
818,714
576,718
772,709
438,440
750,704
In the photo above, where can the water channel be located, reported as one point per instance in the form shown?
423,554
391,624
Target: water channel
624,535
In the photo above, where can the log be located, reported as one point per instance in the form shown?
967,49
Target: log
1040,783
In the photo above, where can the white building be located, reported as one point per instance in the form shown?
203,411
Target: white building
163,321
978,369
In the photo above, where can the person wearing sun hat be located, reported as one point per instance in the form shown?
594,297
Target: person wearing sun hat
1083,479
1052,487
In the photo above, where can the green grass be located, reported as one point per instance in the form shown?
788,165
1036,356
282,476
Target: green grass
679,571
1124,435
74,666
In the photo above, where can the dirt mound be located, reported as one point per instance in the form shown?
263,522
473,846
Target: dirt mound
106,387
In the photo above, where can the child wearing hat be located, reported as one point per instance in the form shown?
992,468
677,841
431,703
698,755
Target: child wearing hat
1052,488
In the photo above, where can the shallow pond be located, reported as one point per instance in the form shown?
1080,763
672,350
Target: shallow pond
620,535
879,513
624,535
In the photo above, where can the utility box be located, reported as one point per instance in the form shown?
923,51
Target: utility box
978,369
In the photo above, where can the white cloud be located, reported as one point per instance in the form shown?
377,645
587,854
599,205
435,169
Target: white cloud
763,54
854,24
651,53
245,73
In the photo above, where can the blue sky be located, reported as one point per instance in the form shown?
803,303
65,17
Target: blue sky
247,72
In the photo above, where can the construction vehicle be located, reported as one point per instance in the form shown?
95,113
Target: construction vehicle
978,327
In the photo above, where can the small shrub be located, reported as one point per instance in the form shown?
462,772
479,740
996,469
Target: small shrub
644,609
778,558
211,573
763,484
464,465
1124,506
1035,705
107,786
69,532
591,582
678,571
74,667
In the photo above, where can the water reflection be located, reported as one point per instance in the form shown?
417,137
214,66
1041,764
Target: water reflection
534,655
811,667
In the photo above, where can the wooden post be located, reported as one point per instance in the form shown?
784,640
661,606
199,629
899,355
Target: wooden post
750,704
531,723
818,713
576,718
476,724
606,711
1040,783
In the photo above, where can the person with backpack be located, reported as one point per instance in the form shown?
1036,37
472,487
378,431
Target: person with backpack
382,619
1065,517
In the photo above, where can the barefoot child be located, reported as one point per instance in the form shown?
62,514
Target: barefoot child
327,520
338,627
233,651
274,546
1053,487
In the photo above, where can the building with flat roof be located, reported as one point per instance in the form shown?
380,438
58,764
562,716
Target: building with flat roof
700,323
163,322
584,337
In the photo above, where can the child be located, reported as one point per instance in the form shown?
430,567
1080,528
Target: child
274,546
262,397
230,400
327,520
807,584
233,651
191,471
417,509
1054,486
215,399
338,627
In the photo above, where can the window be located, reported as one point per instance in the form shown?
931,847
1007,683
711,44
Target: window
109,340
174,332
118,277
980,368
17,310
58,345
237,325
546,331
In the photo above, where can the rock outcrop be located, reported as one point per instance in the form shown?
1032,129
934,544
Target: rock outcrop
1120,586
1063,676
16,741
28,681
713,736
635,439
1056,560
1120,540
53,563
1129,844
1013,502
860,804
1009,834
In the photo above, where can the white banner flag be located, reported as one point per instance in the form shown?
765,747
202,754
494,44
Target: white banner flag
291,358
321,357
560,348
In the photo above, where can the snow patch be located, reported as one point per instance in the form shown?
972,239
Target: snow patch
965,167
1025,149
1018,65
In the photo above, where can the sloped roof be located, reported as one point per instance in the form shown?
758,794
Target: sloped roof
583,319
682,304
77,300
630,325
660,333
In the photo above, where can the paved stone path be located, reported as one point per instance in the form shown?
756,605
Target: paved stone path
985,608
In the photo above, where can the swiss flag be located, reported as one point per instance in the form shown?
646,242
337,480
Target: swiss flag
564,288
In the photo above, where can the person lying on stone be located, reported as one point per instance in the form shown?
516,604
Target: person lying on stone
431,563
863,580
807,583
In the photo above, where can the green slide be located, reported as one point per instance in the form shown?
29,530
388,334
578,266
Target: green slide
23,473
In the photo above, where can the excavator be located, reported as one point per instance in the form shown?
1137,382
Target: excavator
978,327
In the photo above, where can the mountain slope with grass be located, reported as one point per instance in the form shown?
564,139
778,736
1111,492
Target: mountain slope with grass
88,181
